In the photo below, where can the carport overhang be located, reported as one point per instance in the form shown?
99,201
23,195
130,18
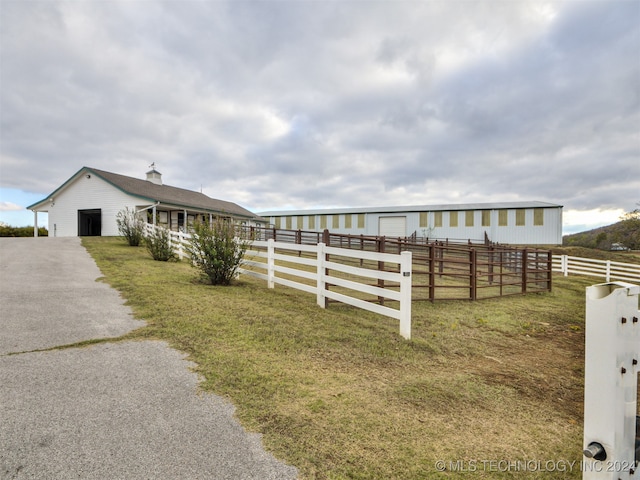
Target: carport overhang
40,207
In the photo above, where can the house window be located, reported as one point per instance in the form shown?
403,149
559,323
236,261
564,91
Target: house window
299,222
520,217
277,222
347,220
323,222
453,219
538,216
468,218
424,219
486,218
502,218
312,222
437,219
288,222
361,220
336,221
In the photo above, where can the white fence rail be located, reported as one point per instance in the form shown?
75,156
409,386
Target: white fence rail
320,275
179,240
606,269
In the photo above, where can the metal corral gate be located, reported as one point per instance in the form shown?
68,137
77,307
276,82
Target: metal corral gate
442,270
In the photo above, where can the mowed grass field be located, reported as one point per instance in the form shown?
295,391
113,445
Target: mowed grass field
489,389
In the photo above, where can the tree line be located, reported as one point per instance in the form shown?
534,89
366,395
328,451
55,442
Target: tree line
625,232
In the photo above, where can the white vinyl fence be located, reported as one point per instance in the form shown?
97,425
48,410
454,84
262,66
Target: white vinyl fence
179,240
317,271
606,269
320,273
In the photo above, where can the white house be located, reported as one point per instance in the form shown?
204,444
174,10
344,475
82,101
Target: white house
520,223
88,202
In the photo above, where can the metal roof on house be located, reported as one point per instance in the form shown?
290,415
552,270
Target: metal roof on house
165,194
412,208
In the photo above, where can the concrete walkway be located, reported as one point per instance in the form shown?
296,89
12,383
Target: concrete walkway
125,410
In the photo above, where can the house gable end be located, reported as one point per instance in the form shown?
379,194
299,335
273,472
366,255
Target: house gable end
58,190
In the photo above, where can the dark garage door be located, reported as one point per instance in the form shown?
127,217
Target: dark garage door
90,223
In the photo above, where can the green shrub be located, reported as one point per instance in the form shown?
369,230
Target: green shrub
159,245
216,251
130,226
9,231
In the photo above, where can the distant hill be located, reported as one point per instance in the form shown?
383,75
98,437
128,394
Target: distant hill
625,232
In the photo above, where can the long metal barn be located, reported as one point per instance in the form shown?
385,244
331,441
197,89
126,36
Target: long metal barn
517,223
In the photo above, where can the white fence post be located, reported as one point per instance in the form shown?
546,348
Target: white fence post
315,280
405,295
180,241
608,272
611,381
320,298
271,262
565,265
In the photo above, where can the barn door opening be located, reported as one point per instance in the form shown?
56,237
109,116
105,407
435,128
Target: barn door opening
90,223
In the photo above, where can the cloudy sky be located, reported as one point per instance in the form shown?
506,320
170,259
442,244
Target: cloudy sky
300,104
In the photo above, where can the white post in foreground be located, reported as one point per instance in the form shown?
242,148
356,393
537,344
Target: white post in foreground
320,298
271,262
405,295
612,354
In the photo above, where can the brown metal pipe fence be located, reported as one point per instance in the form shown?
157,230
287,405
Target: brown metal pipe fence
442,269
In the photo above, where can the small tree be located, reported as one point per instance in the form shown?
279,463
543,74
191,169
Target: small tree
159,245
628,231
130,226
216,251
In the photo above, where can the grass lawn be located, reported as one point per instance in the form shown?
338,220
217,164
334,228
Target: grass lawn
339,394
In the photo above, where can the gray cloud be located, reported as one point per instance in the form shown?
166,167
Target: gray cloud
299,104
